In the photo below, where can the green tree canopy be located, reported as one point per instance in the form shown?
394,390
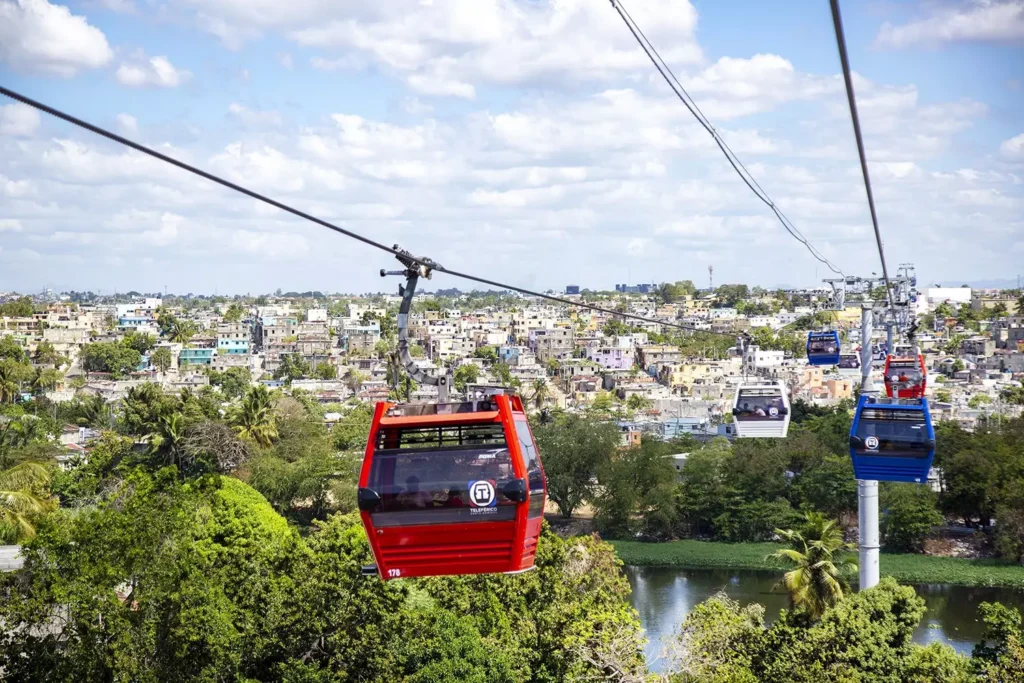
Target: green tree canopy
573,449
487,353
46,354
637,493
21,307
141,342
466,374
117,358
11,350
910,513
293,366
866,637
234,313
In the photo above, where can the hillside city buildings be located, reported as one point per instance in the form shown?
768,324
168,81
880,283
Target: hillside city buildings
656,379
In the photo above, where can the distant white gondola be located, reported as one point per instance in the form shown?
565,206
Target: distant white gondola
761,409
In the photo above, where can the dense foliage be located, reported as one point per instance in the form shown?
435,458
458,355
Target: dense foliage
743,491
866,637
574,447
119,358
18,308
201,580
21,373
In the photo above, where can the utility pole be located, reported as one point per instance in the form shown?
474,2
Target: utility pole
711,278
867,490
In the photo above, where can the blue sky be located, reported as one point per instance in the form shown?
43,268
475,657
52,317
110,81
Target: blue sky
525,140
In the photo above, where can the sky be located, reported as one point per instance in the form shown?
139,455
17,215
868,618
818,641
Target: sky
527,141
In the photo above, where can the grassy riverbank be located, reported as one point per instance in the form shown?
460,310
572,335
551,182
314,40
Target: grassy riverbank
753,556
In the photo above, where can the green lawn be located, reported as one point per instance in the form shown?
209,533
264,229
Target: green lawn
905,568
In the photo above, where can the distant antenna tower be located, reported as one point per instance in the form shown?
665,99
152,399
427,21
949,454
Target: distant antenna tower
711,277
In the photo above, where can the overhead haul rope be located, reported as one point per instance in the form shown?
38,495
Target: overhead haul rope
837,22
730,156
394,251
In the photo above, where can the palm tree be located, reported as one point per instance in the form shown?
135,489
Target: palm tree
92,411
182,331
637,402
540,393
1020,305
46,354
817,580
11,376
44,379
166,439
22,499
253,418
26,430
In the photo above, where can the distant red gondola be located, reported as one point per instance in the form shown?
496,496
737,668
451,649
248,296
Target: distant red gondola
452,488
905,376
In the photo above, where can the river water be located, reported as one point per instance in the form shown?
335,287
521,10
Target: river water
663,596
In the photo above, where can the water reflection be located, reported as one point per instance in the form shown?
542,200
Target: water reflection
663,596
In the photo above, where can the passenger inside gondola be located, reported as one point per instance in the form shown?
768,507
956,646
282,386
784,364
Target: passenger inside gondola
412,496
454,498
821,346
436,482
760,408
904,374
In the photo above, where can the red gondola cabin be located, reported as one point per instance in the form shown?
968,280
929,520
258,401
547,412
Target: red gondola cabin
452,488
905,376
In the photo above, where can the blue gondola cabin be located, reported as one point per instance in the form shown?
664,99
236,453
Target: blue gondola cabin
892,439
823,348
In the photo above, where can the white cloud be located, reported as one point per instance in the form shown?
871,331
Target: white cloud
416,107
285,60
975,20
18,119
127,123
10,225
594,161
78,163
1013,149
36,36
733,87
348,63
270,245
269,169
15,188
446,47
432,84
157,72
253,117
637,245
988,197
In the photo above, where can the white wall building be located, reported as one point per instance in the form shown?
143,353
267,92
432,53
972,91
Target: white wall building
757,358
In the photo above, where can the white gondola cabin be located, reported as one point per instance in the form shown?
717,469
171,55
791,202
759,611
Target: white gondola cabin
761,409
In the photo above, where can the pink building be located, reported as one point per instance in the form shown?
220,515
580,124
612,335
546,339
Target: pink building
611,358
